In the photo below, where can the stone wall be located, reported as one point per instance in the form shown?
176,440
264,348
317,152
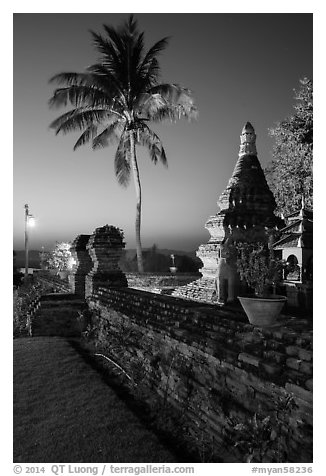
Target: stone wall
212,366
158,283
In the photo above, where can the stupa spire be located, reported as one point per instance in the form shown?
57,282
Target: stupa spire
248,140
246,215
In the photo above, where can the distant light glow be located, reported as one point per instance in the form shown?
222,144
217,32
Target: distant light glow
31,221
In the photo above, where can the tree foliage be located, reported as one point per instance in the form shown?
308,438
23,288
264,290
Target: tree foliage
60,257
290,172
115,99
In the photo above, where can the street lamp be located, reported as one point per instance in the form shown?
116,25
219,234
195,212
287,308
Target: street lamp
29,223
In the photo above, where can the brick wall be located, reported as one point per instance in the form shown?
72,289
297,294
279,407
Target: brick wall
210,364
158,283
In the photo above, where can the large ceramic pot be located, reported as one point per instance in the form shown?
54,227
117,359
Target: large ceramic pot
262,311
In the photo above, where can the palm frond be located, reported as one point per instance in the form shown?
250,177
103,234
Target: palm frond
152,142
70,78
152,74
80,95
149,104
110,51
137,49
109,135
172,93
174,113
88,134
152,54
122,161
115,38
95,81
79,119
130,26
178,103
148,80
108,82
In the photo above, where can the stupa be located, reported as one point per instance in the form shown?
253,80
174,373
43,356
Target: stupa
246,214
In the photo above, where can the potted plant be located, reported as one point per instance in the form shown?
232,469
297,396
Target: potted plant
260,270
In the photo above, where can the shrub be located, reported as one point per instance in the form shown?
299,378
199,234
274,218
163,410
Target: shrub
60,257
257,267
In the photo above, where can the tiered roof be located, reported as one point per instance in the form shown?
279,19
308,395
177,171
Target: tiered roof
298,232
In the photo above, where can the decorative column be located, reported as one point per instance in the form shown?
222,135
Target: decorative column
105,249
81,266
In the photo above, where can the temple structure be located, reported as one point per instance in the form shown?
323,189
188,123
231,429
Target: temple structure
246,214
295,242
295,246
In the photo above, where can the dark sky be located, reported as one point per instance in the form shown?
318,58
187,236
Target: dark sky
241,67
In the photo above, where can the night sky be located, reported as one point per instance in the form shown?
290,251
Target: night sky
240,67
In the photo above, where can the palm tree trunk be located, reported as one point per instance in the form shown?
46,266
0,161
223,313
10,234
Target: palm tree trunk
135,171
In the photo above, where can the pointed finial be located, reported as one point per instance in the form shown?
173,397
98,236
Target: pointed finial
248,140
248,127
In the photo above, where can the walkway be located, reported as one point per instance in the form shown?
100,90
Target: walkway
65,412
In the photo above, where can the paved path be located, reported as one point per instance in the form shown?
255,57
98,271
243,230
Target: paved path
65,412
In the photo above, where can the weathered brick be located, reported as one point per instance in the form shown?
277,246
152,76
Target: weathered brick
293,363
306,368
305,354
292,350
274,355
299,391
249,359
271,368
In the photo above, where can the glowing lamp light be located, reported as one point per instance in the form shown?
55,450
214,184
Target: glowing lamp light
31,221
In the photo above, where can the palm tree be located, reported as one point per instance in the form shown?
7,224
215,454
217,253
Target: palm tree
115,99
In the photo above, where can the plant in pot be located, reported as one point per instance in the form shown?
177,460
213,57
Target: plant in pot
257,266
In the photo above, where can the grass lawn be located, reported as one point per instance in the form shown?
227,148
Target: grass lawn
65,412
